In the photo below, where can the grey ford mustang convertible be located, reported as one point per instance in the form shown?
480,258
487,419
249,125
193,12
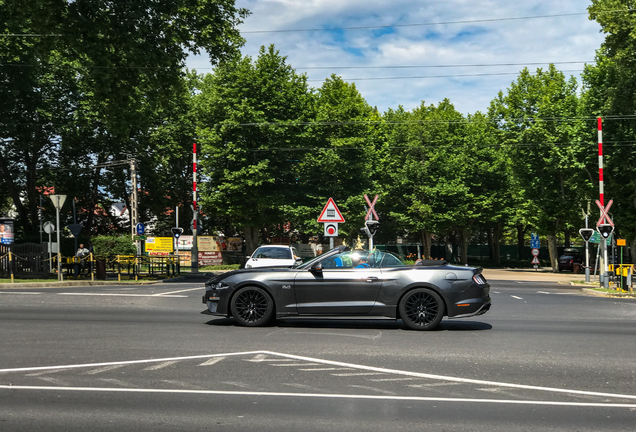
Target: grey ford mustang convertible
345,282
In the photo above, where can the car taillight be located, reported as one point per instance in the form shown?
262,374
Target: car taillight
479,279
571,261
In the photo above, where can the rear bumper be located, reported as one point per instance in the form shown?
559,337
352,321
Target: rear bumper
485,307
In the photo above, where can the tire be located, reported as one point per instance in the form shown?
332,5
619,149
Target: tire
252,307
421,309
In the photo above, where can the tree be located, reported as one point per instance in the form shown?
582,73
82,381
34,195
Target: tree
249,123
340,162
84,86
609,87
537,119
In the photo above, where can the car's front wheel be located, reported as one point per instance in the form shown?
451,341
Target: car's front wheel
421,309
252,306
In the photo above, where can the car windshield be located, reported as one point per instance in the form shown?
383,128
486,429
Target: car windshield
274,253
356,259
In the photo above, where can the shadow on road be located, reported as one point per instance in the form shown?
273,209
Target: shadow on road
354,323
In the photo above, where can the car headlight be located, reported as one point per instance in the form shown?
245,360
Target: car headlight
220,286
248,265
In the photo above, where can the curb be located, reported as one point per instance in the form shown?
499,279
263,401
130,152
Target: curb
65,284
604,294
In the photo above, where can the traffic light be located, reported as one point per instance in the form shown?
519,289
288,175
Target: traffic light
605,230
371,227
586,233
176,232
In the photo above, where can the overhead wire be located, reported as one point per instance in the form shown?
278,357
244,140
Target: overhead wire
473,21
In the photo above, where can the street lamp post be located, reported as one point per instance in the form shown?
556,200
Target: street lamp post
58,202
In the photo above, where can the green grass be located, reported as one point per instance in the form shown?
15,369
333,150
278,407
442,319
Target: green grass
220,267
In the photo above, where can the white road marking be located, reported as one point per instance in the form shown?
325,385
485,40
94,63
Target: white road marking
52,380
434,385
120,295
515,297
325,369
237,384
102,369
359,374
117,382
21,293
295,364
265,354
377,390
183,290
161,365
321,395
212,361
392,379
452,379
88,365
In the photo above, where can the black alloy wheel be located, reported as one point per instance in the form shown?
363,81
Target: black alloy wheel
421,309
252,306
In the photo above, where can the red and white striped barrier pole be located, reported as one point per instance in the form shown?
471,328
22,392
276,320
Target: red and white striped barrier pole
600,161
601,192
194,259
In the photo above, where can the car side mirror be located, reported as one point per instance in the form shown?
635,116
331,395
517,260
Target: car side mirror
317,267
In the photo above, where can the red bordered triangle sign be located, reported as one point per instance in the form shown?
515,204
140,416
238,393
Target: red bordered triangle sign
330,213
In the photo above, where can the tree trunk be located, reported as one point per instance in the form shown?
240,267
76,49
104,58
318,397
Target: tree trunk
496,235
464,247
566,234
521,232
251,239
426,244
554,257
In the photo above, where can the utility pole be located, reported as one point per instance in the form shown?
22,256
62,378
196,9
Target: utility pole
194,255
134,203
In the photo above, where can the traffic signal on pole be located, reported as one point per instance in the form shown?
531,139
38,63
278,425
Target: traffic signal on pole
605,230
371,227
176,232
586,233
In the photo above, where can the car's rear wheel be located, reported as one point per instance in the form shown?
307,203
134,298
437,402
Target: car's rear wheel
252,306
421,309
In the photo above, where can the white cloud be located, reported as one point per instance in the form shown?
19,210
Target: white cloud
555,39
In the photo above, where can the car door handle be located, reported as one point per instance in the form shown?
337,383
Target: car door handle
372,279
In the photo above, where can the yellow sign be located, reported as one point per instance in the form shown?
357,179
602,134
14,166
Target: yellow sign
159,244
207,244
621,242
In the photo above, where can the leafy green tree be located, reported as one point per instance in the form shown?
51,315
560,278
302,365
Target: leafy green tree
537,119
250,115
341,160
609,87
86,87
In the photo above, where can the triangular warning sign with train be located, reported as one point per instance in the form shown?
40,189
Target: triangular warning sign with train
331,213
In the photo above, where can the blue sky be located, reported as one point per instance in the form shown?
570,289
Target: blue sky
372,54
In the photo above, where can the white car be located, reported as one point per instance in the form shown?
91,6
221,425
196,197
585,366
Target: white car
273,256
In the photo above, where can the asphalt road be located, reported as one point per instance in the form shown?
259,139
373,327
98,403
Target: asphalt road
143,358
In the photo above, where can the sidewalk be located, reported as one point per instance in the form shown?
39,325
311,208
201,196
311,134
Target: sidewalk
539,275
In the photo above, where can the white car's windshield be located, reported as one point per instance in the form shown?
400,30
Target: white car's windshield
274,253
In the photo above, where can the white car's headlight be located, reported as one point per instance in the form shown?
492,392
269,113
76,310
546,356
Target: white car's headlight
248,265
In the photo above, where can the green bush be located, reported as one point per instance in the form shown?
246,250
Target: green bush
113,245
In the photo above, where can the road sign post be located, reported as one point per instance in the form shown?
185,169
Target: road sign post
371,225
535,246
331,217
58,202
587,233
605,227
